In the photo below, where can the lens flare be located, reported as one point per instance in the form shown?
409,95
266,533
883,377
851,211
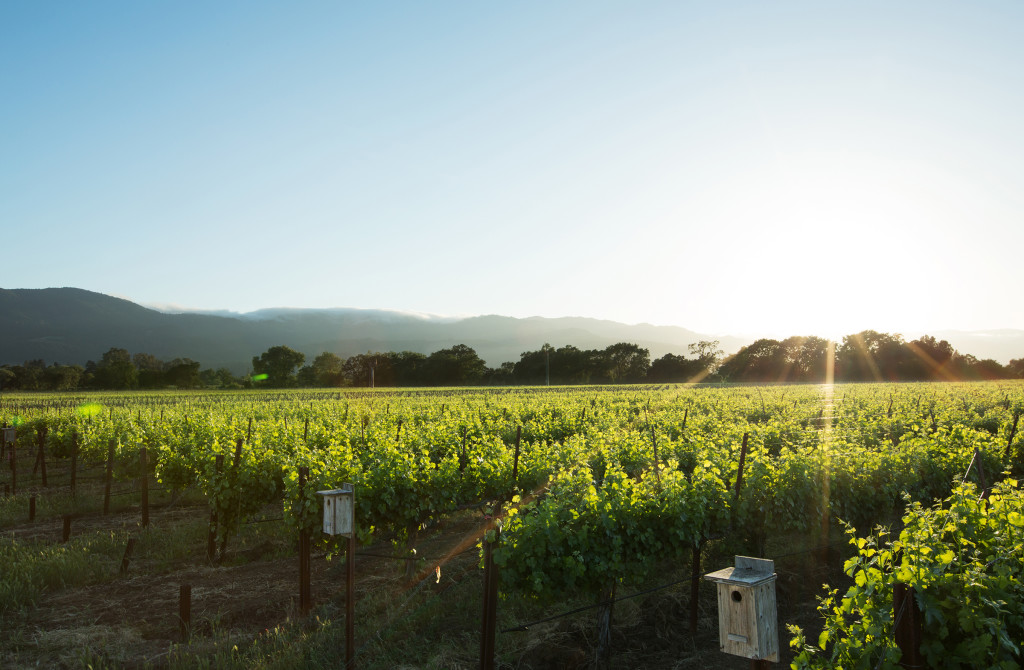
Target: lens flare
89,409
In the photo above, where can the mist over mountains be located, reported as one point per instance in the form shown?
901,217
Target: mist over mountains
72,326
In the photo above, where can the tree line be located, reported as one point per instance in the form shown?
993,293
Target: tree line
865,356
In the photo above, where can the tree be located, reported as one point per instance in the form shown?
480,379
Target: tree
116,371
673,368
931,359
360,369
183,373
626,363
708,353
325,370
762,361
872,356
409,368
807,358
151,370
63,377
502,375
278,364
8,379
457,366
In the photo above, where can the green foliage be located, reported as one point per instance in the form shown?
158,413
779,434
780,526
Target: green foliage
965,559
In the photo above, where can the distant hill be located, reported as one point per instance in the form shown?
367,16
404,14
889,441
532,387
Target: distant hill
70,325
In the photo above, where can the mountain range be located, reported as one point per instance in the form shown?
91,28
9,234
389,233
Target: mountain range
72,326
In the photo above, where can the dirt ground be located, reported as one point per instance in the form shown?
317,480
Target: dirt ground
134,619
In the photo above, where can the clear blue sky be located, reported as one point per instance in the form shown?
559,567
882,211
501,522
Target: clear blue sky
763,168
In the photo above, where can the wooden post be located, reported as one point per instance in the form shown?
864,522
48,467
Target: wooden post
305,432
739,475
127,555
515,463
248,433
654,443
908,626
606,601
32,508
66,534
462,458
109,478
41,454
490,614
238,453
211,538
74,460
981,473
185,610
1013,433
144,482
695,585
350,602
305,603
12,455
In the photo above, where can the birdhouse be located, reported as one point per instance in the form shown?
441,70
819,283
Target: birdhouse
339,510
9,435
747,619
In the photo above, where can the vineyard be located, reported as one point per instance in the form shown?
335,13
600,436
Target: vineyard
597,508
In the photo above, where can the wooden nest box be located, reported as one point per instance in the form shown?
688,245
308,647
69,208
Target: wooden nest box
747,618
339,510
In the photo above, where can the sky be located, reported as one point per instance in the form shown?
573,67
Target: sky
762,169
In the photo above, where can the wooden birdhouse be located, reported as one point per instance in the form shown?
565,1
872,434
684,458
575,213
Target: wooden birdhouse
339,510
747,619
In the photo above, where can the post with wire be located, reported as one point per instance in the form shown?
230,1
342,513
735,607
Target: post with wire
339,519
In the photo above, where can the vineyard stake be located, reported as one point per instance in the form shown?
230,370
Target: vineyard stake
74,460
515,464
657,470
695,585
981,474
462,459
1013,433
144,465
211,538
490,615
12,455
739,475
184,610
350,601
109,477
238,453
32,508
66,533
248,433
40,454
305,432
127,554
304,588
908,630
